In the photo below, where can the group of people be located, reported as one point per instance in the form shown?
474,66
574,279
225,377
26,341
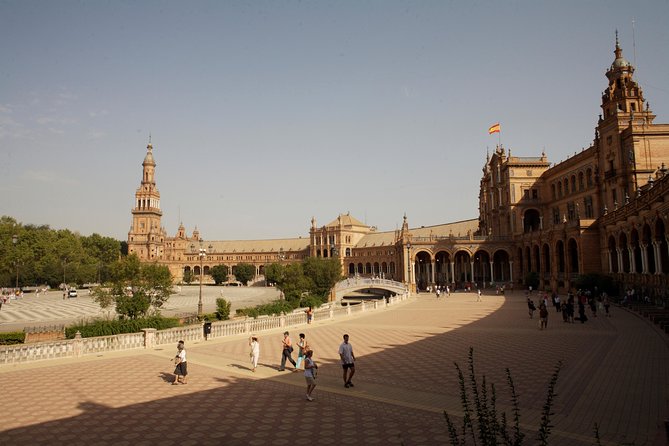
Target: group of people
7,294
439,290
304,356
583,299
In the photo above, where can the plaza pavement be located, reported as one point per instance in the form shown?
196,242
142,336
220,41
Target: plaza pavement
615,373
49,309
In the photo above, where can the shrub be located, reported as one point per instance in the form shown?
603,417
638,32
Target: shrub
532,279
222,309
481,422
16,337
274,308
107,327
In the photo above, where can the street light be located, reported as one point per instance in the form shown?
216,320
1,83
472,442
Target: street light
409,264
281,256
15,240
64,283
203,253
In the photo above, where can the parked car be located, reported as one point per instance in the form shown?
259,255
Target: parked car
71,292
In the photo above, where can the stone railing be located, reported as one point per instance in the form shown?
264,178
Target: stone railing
150,337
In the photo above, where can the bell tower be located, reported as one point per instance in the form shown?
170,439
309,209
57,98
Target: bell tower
624,152
146,236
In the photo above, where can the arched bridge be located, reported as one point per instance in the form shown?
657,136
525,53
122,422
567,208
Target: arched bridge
374,287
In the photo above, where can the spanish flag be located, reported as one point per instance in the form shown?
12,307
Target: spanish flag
495,128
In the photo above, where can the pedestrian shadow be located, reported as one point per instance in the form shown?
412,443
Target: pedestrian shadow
241,367
167,377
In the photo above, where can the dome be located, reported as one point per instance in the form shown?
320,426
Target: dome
148,159
620,62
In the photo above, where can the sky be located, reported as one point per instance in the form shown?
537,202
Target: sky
264,114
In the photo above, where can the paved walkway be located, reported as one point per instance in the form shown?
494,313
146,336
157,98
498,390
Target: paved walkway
615,373
48,309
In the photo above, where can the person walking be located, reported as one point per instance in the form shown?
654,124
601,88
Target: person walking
310,369
181,369
347,361
310,314
530,307
286,352
478,295
302,349
543,316
607,304
255,352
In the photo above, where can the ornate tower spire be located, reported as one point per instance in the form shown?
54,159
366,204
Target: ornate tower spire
146,237
623,96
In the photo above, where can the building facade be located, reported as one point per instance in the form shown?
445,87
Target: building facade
603,210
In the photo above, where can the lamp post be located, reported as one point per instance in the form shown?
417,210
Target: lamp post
203,253
15,240
409,264
281,255
64,283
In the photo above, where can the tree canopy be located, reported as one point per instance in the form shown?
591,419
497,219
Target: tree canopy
314,278
219,273
46,256
135,288
244,272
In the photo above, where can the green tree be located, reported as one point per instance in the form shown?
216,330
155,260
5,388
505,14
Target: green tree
294,283
244,272
44,255
188,276
274,273
135,288
532,279
222,309
323,274
219,273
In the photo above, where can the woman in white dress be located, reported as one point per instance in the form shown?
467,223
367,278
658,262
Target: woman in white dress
255,351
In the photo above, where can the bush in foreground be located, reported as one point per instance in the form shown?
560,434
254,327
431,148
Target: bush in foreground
482,424
16,337
107,327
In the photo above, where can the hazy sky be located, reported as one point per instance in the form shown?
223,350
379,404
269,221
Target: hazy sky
263,114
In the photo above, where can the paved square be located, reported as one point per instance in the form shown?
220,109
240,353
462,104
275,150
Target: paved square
615,373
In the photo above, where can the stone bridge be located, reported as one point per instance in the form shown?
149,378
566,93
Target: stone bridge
363,285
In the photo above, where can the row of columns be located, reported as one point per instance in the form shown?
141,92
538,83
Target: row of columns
657,254
432,272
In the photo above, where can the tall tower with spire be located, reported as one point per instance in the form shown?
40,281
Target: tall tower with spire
146,236
629,146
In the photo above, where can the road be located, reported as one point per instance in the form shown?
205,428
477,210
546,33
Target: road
51,309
